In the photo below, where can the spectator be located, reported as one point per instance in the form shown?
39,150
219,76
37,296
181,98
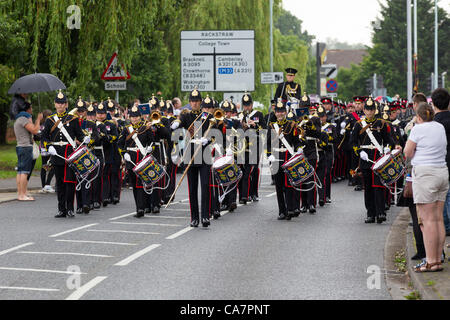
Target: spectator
427,147
24,131
47,171
17,104
418,98
441,100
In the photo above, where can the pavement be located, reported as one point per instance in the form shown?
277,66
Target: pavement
8,188
428,286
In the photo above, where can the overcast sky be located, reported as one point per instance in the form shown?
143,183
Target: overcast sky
345,20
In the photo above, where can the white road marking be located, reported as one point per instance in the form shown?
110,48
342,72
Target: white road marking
40,270
72,230
167,217
16,248
179,233
172,209
271,194
67,253
122,216
149,224
77,294
29,289
136,255
123,231
100,242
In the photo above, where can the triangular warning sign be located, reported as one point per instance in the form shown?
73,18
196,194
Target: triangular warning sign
114,71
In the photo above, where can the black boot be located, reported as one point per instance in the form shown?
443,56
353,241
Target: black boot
86,209
194,223
61,215
139,214
370,220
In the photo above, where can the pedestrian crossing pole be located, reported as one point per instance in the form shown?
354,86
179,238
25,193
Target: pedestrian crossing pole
409,49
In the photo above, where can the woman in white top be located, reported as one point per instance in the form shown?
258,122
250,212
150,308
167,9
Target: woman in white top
427,148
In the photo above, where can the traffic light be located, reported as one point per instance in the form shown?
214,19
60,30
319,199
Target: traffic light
369,85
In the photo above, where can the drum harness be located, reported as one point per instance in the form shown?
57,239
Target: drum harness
140,147
63,130
291,151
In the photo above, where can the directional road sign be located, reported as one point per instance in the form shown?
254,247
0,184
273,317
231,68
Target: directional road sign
222,60
271,77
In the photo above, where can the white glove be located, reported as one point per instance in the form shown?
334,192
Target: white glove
204,141
229,152
364,156
52,151
386,150
175,125
149,149
299,151
176,112
343,124
86,140
174,158
127,157
342,132
271,158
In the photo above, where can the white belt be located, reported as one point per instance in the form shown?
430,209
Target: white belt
98,148
369,146
310,138
61,143
135,149
157,143
196,141
280,149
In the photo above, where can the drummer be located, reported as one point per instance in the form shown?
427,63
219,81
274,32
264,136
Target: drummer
133,150
58,136
279,151
89,129
369,136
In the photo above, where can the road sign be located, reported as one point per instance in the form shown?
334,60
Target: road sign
332,95
332,85
114,71
271,77
329,70
116,85
222,60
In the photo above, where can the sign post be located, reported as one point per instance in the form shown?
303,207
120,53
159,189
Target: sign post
272,77
220,60
115,71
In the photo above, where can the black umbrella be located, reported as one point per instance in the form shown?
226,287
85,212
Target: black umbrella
36,82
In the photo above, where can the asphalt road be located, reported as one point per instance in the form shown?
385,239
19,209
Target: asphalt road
247,254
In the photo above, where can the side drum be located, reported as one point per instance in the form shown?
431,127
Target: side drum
149,170
83,162
297,169
226,171
390,167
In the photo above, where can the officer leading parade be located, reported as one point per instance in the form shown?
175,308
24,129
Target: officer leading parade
239,156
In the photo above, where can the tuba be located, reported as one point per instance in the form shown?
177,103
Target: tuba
155,117
219,115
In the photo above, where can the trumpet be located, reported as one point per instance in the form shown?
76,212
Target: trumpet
155,117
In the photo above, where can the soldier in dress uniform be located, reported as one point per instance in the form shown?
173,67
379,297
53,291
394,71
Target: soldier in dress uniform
172,151
115,174
252,123
84,195
358,102
326,157
278,152
289,88
134,143
346,125
231,145
60,132
109,149
373,136
191,121
311,138
100,131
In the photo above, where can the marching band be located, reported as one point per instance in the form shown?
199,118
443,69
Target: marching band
96,147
